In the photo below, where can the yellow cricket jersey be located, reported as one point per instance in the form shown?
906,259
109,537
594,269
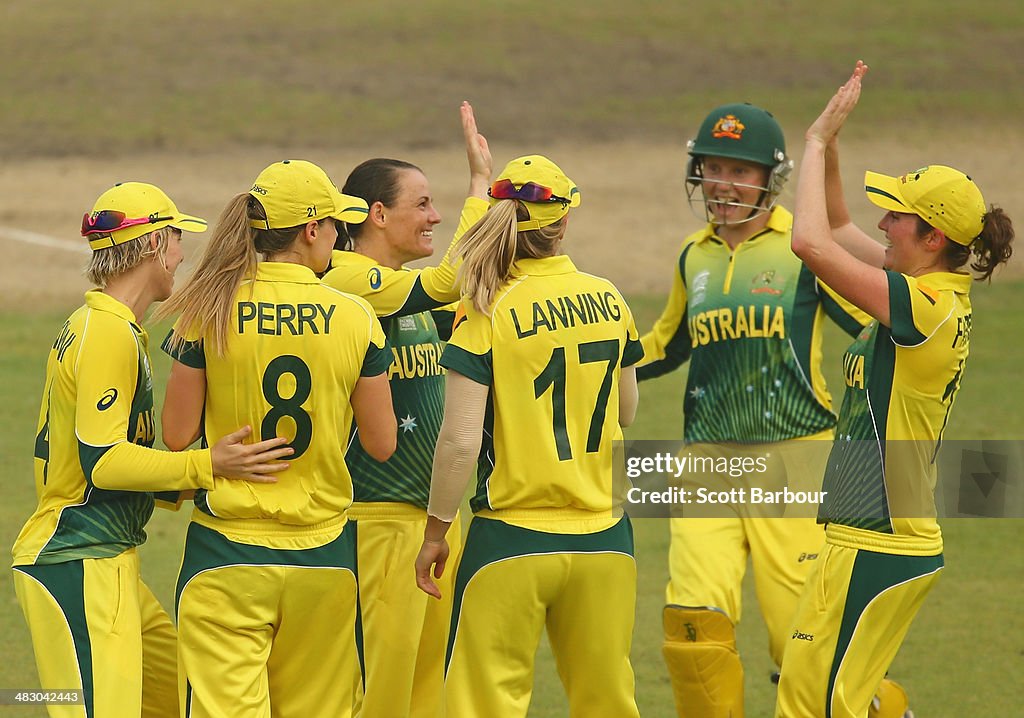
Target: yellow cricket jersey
295,351
551,353
94,467
900,386
749,321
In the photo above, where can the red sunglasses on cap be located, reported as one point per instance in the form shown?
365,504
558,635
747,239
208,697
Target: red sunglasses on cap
110,220
529,192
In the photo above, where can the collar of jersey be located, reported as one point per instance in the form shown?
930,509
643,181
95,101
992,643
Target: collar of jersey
559,264
947,281
342,258
97,299
285,272
780,220
346,258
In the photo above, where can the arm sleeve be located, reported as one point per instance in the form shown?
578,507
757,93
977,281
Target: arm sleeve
378,351
107,374
458,444
444,320
849,318
668,343
916,311
633,351
469,350
189,352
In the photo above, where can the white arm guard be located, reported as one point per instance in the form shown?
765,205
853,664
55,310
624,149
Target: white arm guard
458,444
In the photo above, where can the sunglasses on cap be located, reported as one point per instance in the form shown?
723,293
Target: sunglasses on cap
110,220
529,192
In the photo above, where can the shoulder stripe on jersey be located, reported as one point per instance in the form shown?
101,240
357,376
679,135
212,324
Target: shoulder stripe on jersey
901,310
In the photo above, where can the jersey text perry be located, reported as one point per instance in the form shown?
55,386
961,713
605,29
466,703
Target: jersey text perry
278,319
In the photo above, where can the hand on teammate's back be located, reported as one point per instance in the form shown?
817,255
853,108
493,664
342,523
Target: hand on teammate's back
234,459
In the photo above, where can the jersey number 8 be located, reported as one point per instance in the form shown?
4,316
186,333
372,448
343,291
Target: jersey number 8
291,407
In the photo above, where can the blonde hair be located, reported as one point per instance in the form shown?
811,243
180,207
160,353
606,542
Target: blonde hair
110,262
492,245
207,298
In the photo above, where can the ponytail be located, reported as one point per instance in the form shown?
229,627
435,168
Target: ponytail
207,298
491,247
994,245
488,250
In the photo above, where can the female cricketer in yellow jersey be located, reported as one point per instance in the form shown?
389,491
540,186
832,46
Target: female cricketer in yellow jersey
95,625
540,379
266,596
883,546
404,634
749,317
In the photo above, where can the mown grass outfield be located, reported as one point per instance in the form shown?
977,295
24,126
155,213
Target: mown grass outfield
198,96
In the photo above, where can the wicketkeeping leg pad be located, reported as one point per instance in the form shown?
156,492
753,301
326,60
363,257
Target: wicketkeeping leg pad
703,664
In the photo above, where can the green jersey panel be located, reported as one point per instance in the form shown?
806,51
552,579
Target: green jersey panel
901,383
552,351
417,395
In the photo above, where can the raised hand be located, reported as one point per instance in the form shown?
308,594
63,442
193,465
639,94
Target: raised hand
233,459
477,152
830,121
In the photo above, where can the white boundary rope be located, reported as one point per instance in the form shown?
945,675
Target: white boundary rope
42,240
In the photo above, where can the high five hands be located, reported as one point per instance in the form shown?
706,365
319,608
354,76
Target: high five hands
477,152
830,121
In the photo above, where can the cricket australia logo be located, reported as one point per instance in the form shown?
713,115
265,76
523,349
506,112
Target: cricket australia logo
762,283
728,126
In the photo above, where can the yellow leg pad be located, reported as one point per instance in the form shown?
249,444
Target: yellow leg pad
890,701
703,664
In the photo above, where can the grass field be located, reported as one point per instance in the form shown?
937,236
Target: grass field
200,95
984,557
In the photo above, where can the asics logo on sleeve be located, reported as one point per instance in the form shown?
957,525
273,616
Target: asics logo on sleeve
107,400
376,280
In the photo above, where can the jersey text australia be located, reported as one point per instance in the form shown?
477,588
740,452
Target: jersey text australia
749,321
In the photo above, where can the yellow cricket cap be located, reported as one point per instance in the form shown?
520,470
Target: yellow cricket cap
137,201
294,192
945,198
541,171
